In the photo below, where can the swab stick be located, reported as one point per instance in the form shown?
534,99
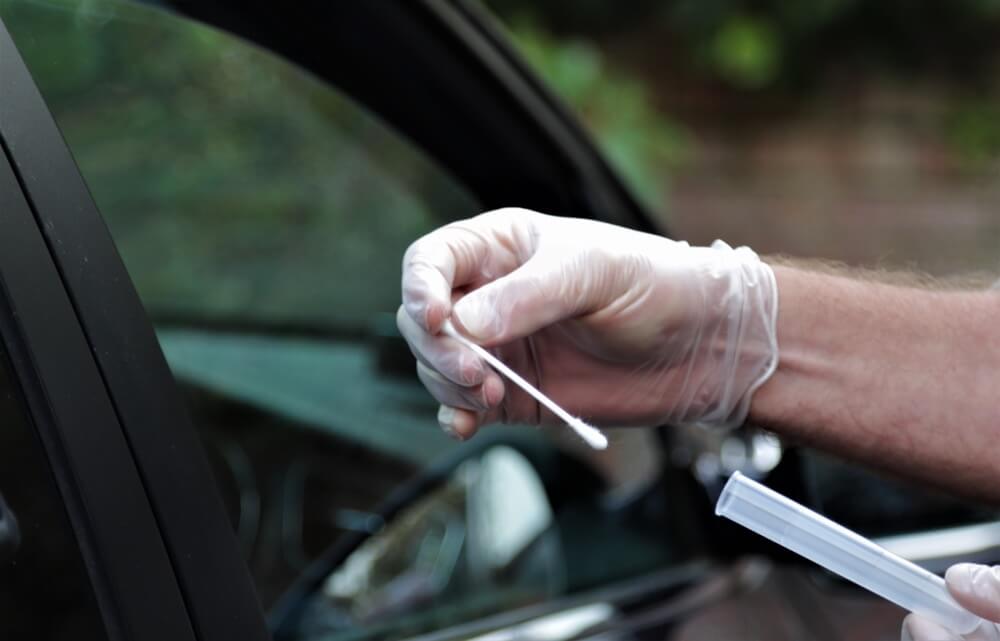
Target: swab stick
593,436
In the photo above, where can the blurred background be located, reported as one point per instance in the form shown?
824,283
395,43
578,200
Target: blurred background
867,132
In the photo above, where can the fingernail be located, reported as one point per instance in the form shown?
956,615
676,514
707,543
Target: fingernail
476,317
446,419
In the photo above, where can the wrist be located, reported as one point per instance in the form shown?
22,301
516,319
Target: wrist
868,367
735,349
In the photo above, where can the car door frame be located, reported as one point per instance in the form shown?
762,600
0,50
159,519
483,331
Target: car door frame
68,404
162,556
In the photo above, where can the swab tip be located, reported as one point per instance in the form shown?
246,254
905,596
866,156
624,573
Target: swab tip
593,436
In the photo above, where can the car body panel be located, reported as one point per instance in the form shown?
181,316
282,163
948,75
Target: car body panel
140,398
100,484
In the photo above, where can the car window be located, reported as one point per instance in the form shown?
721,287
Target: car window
262,215
44,589
211,134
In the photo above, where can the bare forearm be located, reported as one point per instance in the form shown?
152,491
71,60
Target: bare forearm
902,378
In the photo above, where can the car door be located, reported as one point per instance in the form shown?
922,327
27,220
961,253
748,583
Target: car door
83,555
261,215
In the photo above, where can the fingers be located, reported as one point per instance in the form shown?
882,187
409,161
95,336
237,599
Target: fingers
458,423
479,249
469,391
541,292
522,270
478,398
917,628
976,588
452,372
445,355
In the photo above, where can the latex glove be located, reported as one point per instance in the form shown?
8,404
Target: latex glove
617,326
977,589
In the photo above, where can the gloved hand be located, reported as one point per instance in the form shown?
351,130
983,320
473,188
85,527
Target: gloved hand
977,589
617,326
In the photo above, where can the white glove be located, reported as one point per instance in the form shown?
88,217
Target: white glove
617,326
977,589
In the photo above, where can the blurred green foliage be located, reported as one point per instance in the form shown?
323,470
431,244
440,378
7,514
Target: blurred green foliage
973,129
745,51
638,140
759,44
785,47
236,186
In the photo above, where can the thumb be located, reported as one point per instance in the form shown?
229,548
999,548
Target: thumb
519,304
976,588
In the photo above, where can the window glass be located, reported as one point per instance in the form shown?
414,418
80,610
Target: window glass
44,589
212,162
263,216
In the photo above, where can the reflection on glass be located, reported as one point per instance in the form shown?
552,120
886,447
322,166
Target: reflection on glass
481,542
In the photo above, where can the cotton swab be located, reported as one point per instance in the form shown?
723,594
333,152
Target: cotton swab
593,436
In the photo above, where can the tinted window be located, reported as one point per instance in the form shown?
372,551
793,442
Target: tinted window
263,216
44,589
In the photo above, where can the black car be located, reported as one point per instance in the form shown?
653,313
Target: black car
210,428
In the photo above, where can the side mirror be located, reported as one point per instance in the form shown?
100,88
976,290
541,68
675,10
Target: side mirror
482,541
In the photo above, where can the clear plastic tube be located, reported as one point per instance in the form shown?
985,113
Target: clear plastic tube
842,552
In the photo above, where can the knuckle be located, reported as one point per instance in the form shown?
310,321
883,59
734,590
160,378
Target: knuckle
469,369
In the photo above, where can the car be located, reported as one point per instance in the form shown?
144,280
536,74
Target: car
211,429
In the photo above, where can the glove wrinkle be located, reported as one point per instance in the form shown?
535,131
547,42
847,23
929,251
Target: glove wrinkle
617,326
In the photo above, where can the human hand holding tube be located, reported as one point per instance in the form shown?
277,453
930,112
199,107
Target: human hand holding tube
977,589
616,326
